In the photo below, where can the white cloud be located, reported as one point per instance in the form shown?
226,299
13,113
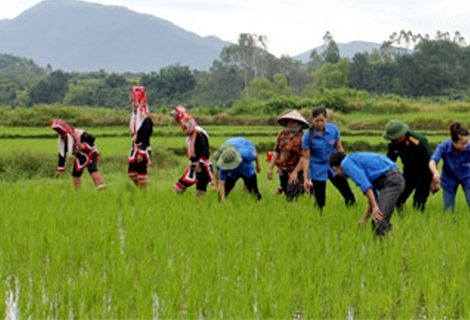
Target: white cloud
295,26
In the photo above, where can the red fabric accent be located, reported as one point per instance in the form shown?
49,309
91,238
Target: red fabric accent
137,152
189,176
140,109
79,167
179,187
205,161
139,98
62,127
269,156
185,119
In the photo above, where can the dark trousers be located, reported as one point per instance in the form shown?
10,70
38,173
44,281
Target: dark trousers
251,184
201,178
340,183
420,184
390,187
291,190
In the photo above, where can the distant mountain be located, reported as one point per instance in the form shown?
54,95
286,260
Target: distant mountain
80,36
346,50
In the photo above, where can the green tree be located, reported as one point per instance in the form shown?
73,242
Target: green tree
296,72
440,66
16,68
172,85
115,80
332,75
79,95
248,54
361,72
51,89
315,62
221,86
404,80
331,52
259,89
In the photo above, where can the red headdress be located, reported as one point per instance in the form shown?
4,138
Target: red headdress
140,108
62,127
68,135
189,125
185,119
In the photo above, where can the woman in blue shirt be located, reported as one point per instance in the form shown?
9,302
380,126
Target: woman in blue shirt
379,179
235,159
455,154
318,143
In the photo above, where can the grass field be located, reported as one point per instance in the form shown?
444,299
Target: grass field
127,253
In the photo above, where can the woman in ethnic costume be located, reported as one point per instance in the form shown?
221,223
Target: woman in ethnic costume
141,126
82,145
199,171
287,154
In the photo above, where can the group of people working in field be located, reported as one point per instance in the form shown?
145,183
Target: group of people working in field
305,156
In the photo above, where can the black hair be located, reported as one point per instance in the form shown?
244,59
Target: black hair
88,138
319,111
457,130
336,158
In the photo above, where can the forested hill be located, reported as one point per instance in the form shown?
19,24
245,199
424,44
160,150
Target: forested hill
81,36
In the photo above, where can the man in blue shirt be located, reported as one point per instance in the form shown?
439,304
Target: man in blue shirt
234,160
378,178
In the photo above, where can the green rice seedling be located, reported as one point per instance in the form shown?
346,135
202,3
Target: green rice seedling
129,253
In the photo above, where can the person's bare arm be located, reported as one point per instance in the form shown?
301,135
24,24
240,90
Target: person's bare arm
221,186
339,146
258,167
271,165
436,177
305,166
293,176
377,215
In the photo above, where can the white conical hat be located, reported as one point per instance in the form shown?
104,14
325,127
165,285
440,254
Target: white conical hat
293,115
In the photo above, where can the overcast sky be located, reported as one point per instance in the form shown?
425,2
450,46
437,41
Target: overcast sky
295,26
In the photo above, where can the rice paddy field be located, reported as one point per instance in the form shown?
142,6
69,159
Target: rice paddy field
141,254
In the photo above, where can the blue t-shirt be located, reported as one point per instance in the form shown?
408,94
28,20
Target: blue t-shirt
321,146
366,168
456,166
247,150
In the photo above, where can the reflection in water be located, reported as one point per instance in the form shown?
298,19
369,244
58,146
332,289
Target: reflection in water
12,298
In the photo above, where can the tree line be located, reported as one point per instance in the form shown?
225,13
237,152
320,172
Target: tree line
407,65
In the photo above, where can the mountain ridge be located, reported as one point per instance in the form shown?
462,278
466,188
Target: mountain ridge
84,36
